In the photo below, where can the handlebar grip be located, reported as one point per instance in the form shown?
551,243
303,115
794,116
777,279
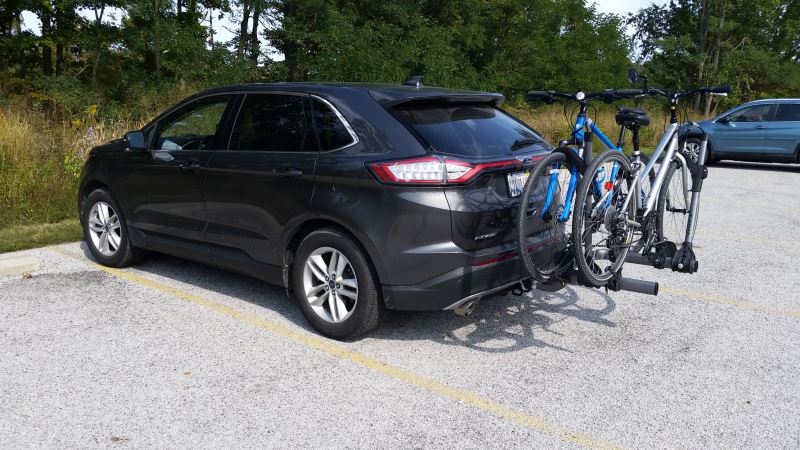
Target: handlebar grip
628,92
724,89
544,96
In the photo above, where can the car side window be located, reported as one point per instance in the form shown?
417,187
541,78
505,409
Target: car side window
788,112
193,127
273,123
331,131
757,113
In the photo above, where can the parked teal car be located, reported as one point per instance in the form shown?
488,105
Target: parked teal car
761,131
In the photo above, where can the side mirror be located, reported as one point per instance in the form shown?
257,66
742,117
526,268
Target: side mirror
633,76
724,120
136,140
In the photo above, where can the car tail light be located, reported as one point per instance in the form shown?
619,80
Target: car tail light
433,170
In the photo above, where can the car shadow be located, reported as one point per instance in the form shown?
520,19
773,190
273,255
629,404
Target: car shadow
499,324
503,324
775,167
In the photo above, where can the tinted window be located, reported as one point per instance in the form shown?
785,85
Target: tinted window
788,112
272,122
757,113
470,130
330,129
194,126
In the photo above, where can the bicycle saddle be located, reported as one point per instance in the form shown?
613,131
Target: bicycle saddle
630,116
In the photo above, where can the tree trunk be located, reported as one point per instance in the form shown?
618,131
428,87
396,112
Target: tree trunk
156,46
717,50
59,58
255,48
701,47
98,20
243,27
47,51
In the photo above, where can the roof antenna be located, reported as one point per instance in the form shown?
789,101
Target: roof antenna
413,80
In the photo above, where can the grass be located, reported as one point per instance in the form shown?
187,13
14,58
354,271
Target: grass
21,237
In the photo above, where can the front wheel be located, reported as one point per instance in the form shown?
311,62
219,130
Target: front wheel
106,232
601,230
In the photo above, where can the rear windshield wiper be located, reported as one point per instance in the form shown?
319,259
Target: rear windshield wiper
524,142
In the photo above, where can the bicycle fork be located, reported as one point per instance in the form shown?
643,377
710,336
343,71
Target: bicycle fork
684,259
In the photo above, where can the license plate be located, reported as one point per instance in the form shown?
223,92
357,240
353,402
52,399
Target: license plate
516,182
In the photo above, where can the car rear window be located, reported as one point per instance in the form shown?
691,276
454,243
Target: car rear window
470,130
331,130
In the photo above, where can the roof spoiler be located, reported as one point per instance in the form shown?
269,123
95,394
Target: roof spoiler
390,101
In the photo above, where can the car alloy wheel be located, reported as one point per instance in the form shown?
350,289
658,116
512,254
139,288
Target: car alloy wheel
692,150
105,229
330,285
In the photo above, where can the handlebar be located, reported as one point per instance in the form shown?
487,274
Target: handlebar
608,95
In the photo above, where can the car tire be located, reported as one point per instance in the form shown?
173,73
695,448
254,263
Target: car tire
105,231
357,314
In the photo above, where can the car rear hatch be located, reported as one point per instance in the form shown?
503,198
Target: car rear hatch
487,151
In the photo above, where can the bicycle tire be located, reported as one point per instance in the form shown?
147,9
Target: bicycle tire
591,271
543,265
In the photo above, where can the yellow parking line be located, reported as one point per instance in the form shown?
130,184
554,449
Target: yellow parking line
732,302
331,348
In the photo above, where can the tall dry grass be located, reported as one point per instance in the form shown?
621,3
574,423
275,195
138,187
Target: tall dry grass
41,160
41,156
551,122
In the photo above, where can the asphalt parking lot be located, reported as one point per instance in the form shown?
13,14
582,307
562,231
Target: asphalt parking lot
170,353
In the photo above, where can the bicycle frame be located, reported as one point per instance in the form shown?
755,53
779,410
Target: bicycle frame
582,124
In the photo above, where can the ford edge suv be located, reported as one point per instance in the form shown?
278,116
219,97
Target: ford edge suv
356,198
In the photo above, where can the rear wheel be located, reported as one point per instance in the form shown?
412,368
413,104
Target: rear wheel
334,285
535,217
601,234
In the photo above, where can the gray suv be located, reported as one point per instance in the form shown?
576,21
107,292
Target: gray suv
357,198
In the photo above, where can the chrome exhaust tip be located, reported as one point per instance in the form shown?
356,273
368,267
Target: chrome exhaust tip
466,308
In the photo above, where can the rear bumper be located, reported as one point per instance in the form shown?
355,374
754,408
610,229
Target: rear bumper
484,273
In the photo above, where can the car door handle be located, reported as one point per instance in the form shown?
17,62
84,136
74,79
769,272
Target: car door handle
759,127
288,172
190,165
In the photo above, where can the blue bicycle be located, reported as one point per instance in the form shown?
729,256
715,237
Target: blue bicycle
547,199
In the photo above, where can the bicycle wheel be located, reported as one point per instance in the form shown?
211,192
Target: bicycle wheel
673,204
537,217
601,236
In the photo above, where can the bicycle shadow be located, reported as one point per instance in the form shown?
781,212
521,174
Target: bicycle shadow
503,324
499,324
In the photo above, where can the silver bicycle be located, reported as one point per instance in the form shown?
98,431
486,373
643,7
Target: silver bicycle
634,212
